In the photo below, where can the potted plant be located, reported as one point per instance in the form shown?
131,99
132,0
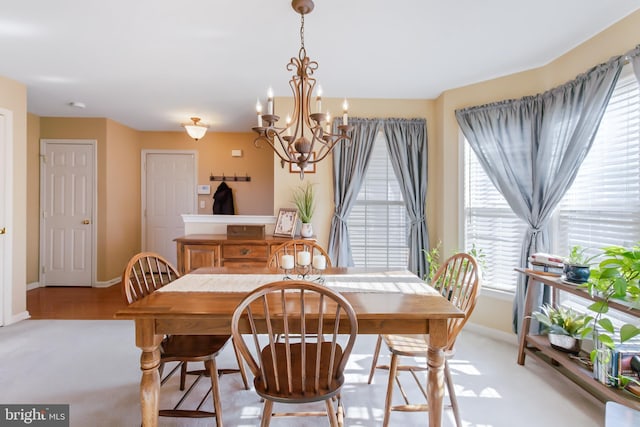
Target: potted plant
303,198
617,276
577,265
566,327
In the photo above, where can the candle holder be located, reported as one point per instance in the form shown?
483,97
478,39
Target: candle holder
304,272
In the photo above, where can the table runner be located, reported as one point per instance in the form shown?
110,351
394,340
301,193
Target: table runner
391,281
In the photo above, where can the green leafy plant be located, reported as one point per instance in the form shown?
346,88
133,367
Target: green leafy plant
616,277
563,321
579,256
303,198
432,257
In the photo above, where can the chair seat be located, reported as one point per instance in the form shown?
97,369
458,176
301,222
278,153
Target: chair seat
299,392
410,345
196,347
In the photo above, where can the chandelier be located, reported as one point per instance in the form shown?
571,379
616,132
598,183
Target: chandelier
308,137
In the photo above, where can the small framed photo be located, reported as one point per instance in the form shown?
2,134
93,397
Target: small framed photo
310,168
286,222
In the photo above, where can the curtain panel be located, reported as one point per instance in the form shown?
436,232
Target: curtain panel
532,148
407,145
350,161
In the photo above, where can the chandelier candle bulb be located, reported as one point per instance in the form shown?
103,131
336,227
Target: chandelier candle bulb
304,258
328,123
259,113
345,113
286,262
319,262
319,100
288,125
270,101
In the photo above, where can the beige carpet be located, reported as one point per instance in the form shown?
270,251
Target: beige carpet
94,366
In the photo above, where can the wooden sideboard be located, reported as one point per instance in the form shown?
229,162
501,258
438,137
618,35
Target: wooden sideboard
217,250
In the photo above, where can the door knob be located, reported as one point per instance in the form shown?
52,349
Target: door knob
3,230
86,221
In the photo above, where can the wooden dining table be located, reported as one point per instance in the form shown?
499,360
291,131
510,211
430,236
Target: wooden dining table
385,302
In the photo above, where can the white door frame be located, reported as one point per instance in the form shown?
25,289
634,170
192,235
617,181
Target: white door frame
94,204
6,264
143,185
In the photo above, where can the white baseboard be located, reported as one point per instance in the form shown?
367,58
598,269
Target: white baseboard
33,285
496,334
108,283
18,317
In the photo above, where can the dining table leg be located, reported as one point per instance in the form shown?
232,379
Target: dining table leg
149,343
435,375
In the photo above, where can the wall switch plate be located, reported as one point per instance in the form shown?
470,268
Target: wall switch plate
203,204
236,153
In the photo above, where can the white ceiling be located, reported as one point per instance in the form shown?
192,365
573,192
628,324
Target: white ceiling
151,64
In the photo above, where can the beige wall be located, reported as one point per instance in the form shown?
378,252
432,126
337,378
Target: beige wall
13,97
33,197
254,197
616,40
119,193
443,202
286,182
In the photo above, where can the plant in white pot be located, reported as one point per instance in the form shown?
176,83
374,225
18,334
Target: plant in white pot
566,327
304,199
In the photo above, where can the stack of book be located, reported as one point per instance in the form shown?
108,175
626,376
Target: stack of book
608,366
548,264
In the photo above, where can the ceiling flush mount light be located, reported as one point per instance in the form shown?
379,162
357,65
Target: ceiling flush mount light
306,138
196,130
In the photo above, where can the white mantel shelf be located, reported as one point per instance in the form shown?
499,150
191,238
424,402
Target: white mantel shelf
217,224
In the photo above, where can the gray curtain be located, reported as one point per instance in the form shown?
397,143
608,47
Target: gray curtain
532,149
350,161
407,145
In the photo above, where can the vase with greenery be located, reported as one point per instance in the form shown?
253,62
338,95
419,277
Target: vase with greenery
304,199
566,327
577,266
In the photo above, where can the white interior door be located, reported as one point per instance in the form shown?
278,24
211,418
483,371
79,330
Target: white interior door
67,202
169,190
6,207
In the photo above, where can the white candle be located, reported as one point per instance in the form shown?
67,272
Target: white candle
319,262
319,100
286,262
304,258
270,101
328,122
288,125
345,108
259,112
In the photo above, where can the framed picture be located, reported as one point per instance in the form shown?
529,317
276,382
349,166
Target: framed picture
310,168
286,222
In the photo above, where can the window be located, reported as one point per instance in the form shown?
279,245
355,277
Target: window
378,221
490,225
601,208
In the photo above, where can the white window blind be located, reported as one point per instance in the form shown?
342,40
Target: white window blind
602,207
491,226
378,221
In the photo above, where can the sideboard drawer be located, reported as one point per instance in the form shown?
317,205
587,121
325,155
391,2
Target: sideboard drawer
245,251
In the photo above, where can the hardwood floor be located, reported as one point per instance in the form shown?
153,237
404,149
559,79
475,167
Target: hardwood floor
74,302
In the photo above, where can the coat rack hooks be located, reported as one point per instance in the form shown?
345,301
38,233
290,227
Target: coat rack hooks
224,177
